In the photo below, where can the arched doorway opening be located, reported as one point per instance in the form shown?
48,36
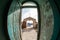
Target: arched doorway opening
29,20
29,23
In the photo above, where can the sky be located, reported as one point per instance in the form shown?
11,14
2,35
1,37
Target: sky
29,12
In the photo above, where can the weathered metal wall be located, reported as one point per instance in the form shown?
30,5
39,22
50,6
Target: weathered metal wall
13,21
47,20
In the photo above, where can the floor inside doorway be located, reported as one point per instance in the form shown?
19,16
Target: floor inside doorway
29,34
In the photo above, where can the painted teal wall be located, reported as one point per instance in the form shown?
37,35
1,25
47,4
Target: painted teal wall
46,13
3,4
56,20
